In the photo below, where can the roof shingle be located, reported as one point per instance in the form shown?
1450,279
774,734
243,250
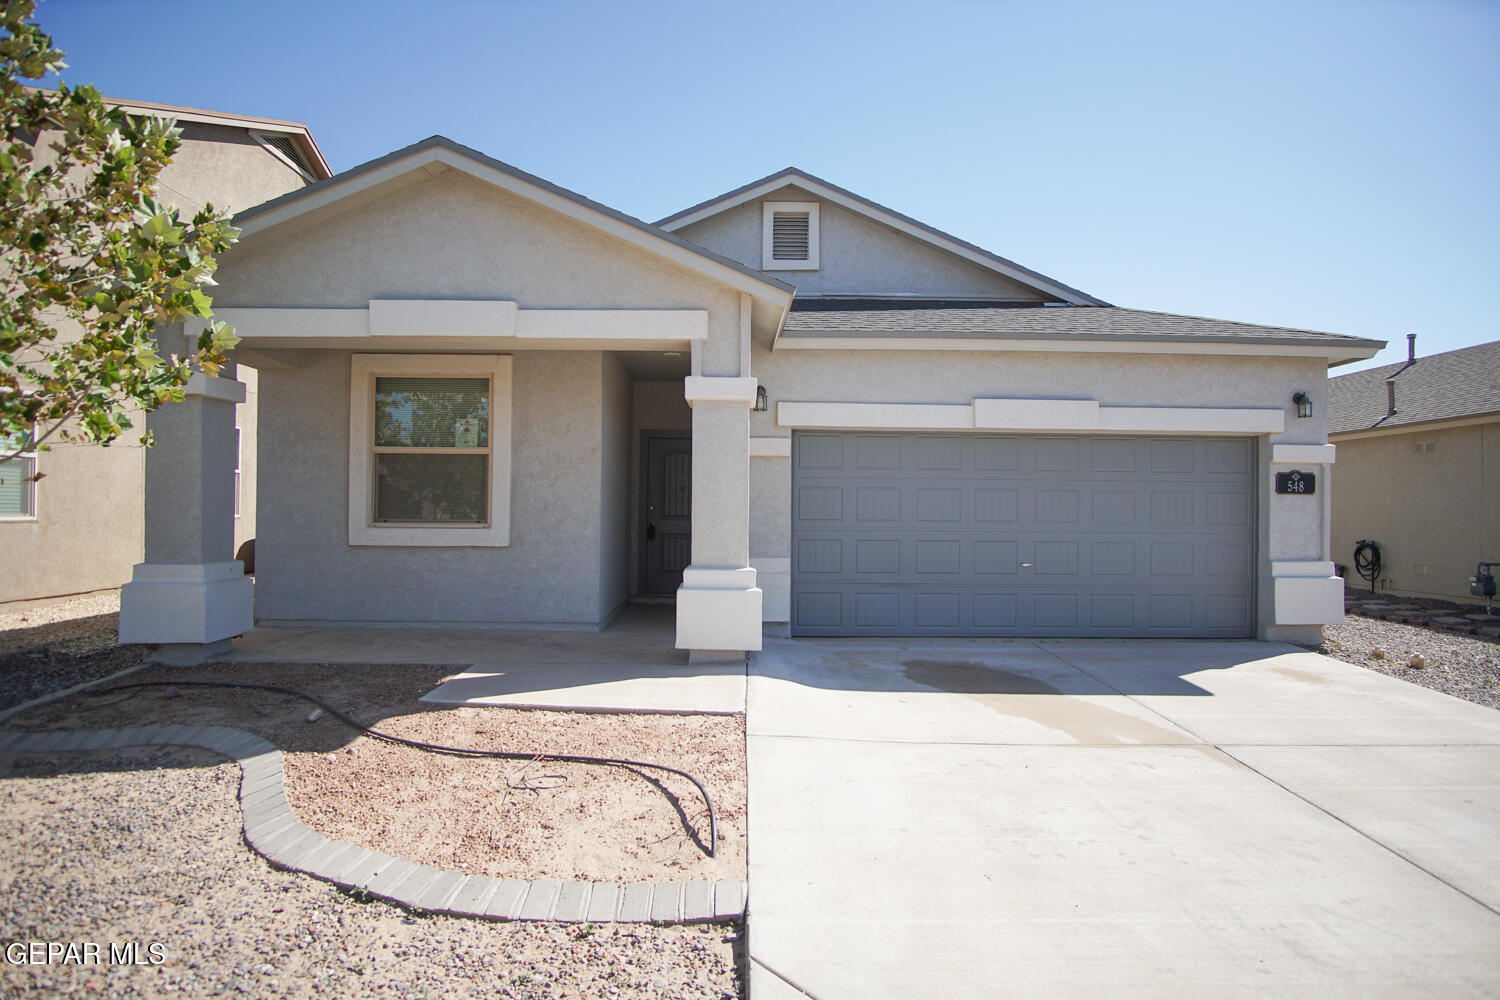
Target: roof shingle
948,318
1448,386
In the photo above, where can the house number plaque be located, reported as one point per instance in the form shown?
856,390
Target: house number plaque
1297,483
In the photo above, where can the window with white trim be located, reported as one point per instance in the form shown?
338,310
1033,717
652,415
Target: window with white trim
430,450
17,480
789,236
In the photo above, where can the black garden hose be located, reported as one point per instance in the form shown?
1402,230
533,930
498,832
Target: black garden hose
713,821
1367,561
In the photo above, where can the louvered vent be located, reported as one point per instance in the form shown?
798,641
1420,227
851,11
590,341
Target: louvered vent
790,236
284,145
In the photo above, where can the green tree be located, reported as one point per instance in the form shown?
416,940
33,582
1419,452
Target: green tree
92,265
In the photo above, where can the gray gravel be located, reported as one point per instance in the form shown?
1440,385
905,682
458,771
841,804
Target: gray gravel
144,846
1460,665
49,647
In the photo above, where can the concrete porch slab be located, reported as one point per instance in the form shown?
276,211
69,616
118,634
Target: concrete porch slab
605,686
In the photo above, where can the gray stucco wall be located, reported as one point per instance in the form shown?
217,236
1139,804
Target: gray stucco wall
1291,527
615,480
456,237
1428,499
856,255
550,573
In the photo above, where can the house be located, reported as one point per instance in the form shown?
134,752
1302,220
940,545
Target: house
1419,468
489,401
81,527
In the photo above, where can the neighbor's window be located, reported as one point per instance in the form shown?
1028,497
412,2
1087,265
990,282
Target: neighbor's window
17,488
431,452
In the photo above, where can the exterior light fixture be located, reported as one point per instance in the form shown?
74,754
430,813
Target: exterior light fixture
762,402
1304,404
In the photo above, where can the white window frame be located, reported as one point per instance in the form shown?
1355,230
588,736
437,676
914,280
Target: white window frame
365,368
767,223
30,486
239,454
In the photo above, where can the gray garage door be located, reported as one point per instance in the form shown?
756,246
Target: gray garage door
956,534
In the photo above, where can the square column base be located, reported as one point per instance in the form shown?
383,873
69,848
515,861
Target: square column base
1307,593
719,620
176,604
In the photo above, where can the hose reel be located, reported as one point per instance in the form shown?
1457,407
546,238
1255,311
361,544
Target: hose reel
1367,561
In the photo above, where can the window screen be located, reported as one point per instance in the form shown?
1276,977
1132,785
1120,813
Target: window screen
432,450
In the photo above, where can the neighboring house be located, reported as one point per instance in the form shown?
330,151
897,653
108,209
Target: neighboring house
81,528
489,401
1419,469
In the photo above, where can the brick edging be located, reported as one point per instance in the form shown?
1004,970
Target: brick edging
275,833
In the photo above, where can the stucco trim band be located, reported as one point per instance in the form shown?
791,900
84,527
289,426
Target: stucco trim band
1031,415
493,318
1303,454
225,390
363,369
718,389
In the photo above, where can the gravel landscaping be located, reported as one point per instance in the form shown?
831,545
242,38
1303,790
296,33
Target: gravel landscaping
144,847
1460,665
523,819
52,646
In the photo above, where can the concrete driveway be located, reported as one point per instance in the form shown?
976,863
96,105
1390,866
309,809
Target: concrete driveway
1115,819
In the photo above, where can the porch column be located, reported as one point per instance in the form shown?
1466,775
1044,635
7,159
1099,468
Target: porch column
190,596
718,604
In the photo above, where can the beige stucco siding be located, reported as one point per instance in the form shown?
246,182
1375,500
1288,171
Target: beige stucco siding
1427,498
456,237
857,256
89,529
225,167
550,573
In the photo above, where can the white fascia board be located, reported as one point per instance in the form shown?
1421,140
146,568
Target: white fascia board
1075,346
1037,415
900,225
1302,454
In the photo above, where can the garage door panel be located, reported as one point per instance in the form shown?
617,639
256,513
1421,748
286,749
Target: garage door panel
931,534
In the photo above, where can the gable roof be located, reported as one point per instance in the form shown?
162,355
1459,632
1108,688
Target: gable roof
879,213
1448,386
297,133
437,153
963,319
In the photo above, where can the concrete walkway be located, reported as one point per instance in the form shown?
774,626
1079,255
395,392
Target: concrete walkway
629,666
1102,819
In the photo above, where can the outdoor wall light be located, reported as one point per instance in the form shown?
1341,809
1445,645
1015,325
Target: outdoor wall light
762,402
1304,404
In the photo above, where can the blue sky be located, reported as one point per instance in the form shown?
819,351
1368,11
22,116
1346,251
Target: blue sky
1328,165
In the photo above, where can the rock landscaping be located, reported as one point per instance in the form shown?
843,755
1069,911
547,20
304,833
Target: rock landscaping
1447,647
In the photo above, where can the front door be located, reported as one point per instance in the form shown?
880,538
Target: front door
667,545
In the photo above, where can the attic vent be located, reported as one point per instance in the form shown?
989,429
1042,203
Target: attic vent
287,149
790,237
